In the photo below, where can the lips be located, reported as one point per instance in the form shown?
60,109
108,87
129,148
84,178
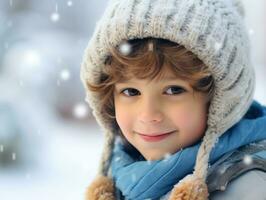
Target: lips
155,137
155,134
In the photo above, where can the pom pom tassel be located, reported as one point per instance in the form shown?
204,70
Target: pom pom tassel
102,188
190,188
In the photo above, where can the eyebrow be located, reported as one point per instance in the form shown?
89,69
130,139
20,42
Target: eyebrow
171,78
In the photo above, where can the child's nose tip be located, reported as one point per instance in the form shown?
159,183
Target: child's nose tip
150,111
150,116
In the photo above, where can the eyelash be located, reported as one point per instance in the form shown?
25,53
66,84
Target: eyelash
180,91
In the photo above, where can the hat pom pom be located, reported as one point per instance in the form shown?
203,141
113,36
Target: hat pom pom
102,188
190,188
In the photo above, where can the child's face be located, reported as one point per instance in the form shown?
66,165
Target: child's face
166,105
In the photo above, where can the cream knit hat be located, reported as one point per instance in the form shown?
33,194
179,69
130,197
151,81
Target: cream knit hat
212,29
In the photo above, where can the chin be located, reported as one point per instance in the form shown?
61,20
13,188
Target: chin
153,157
158,155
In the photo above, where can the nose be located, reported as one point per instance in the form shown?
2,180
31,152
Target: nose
150,111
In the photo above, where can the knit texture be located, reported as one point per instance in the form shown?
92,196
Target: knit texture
212,29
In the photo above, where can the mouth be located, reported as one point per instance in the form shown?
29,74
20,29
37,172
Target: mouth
155,137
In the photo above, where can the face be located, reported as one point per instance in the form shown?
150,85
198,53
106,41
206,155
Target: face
161,116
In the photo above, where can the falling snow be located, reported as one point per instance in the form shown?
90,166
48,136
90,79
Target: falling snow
251,32
247,160
55,17
166,156
125,48
80,110
216,141
222,170
56,8
222,188
65,74
32,58
69,3
117,159
14,156
217,46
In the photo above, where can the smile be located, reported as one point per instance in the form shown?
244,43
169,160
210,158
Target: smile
155,138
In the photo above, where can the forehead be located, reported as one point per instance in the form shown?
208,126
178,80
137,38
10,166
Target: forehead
165,73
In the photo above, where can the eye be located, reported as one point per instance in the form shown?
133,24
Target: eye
174,90
130,92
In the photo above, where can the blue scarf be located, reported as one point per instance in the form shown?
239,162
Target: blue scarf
141,179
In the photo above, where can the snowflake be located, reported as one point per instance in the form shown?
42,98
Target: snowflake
80,110
117,159
1,148
55,17
69,3
14,156
32,58
125,48
217,46
65,74
222,188
222,170
247,160
251,32
166,156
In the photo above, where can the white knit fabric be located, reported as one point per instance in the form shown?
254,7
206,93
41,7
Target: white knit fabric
212,29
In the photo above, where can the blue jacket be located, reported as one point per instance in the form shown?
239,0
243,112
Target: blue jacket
240,174
234,176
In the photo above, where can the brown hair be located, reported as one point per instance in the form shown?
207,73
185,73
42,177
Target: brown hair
143,62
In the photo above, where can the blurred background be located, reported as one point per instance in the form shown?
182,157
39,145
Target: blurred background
49,142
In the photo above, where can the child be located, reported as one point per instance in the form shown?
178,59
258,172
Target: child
170,82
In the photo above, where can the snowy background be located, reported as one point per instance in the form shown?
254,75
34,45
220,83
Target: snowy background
49,142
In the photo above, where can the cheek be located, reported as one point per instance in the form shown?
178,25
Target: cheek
190,120
123,118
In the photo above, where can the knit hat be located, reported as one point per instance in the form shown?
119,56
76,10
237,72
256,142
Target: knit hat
211,29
